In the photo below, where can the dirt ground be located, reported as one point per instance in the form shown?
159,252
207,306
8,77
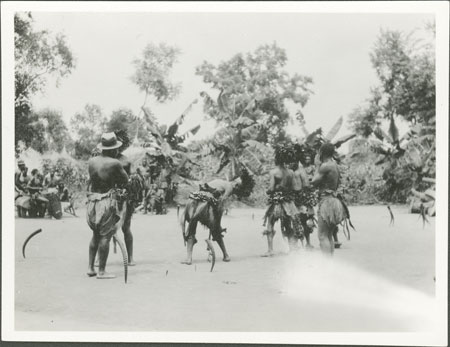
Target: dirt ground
380,280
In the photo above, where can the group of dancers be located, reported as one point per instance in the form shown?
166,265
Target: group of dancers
297,187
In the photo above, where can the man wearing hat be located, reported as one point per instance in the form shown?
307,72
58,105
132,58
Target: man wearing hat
105,207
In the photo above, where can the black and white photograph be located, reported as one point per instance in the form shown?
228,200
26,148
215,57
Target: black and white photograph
225,172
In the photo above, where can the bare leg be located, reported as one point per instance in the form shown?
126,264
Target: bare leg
192,228
292,239
128,236
103,251
270,234
190,247
337,244
93,247
226,257
325,237
307,229
308,241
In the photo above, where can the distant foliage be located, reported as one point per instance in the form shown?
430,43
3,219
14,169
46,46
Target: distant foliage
55,135
88,127
38,55
406,91
254,85
152,72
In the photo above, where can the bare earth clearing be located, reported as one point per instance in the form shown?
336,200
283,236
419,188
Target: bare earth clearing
380,280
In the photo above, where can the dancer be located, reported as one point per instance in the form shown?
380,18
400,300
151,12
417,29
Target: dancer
305,196
207,206
281,204
332,210
105,206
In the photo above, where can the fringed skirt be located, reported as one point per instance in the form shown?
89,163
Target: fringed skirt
332,211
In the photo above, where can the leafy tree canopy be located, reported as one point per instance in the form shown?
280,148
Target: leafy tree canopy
88,127
55,134
38,55
152,72
253,88
406,71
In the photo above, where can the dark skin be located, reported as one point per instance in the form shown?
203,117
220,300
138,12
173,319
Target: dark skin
327,178
281,179
105,173
21,186
300,177
301,181
226,189
126,227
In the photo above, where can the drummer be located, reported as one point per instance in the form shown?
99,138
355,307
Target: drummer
35,188
51,180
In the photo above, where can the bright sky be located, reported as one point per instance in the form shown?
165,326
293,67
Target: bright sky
331,48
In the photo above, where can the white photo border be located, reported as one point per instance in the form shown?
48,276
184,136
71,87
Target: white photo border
439,8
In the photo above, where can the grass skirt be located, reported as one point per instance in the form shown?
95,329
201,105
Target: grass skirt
103,212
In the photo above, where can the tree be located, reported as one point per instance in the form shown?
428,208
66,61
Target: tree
38,55
153,70
88,127
170,142
406,71
55,134
254,88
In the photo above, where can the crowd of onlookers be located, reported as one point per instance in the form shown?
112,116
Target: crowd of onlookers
37,187
158,188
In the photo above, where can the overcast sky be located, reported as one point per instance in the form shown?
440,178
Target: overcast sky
333,49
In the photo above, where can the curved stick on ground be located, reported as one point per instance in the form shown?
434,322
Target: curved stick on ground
28,239
210,248
124,256
391,214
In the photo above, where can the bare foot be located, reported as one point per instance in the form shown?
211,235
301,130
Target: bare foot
337,245
131,263
267,254
105,276
226,258
91,273
187,262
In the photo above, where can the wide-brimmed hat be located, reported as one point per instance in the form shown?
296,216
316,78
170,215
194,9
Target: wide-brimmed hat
109,141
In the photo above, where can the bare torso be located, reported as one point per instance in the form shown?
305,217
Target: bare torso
327,177
300,178
281,179
106,173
